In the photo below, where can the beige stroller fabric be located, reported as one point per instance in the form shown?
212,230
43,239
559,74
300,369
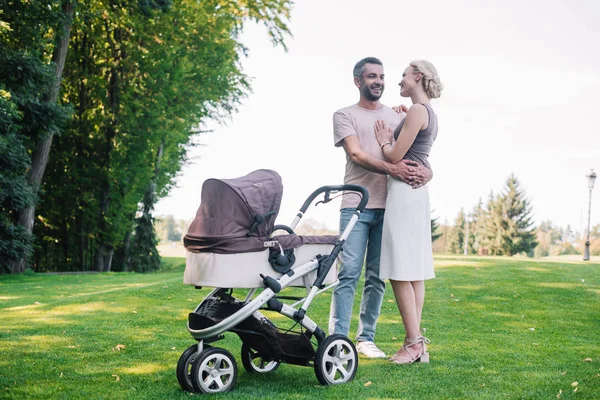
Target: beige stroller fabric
243,270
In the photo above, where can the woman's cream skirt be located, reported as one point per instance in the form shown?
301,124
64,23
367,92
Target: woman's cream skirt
406,253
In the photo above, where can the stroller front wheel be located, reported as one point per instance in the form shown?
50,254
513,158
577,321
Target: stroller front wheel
253,362
214,371
336,360
184,367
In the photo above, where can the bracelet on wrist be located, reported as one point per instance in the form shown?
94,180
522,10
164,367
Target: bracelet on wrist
385,144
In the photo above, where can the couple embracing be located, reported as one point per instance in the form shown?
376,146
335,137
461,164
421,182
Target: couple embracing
387,153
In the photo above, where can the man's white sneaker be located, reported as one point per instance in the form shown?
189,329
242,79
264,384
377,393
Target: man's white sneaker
368,349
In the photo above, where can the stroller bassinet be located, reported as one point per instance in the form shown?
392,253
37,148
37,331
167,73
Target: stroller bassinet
231,245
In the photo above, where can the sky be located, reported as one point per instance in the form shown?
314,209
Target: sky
522,87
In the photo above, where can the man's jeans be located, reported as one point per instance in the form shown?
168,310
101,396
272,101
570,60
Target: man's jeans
366,235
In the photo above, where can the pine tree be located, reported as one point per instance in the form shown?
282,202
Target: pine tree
478,228
144,255
493,226
456,239
517,234
434,227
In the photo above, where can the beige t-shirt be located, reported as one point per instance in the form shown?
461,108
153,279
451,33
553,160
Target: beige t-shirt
355,120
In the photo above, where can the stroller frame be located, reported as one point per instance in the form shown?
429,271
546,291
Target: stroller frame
205,369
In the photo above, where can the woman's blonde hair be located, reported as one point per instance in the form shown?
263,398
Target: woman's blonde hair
431,81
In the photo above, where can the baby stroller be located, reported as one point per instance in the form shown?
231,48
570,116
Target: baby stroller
231,246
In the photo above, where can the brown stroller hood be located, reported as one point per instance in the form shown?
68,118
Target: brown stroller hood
236,215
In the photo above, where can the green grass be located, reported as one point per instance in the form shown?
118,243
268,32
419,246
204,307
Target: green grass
500,329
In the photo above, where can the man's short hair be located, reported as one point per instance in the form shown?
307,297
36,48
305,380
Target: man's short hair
359,68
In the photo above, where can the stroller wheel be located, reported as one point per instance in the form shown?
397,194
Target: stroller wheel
184,367
336,360
214,371
255,363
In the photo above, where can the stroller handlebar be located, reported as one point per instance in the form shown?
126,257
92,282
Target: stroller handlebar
337,188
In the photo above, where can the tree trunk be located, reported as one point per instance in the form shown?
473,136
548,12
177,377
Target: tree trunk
80,218
39,158
64,227
80,237
126,245
105,249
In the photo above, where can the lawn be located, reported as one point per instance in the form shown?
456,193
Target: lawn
500,329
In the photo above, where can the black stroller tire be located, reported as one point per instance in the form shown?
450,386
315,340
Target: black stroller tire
184,367
214,370
336,360
249,356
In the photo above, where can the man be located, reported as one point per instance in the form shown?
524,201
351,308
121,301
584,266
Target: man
353,128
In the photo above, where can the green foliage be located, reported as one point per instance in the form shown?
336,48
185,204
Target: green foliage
594,241
477,237
503,227
24,116
434,228
169,229
28,79
493,225
15,191
517,234
456,237
26,75
144,255
144,78
27,26
553,240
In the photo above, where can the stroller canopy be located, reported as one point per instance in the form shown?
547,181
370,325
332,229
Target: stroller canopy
236,215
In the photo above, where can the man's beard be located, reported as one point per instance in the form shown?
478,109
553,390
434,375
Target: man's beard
367,94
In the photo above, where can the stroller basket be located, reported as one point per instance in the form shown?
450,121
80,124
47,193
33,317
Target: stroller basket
256,331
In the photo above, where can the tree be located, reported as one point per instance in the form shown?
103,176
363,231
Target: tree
456,239
15,192
144,255
478,239
144,77
553,240
493,226
31,34
516,231
595,240
434,229
568,236
548,236
42,141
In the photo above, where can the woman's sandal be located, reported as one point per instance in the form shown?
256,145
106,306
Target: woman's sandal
408,355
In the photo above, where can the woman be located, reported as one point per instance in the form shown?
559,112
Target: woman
406,254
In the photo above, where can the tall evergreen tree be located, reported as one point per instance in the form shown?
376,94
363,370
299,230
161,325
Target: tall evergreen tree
494,220
517,233
456,239
477,231
434,230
